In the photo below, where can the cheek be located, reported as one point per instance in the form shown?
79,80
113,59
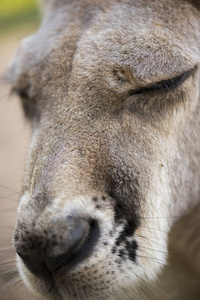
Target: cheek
152,248
24,201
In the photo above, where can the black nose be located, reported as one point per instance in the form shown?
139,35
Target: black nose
61,244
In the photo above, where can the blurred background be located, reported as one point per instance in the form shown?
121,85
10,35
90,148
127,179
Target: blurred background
18,18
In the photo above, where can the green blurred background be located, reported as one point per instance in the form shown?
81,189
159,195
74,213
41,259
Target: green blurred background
15,13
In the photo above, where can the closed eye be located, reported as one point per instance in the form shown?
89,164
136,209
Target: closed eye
22,93
164,85
28,104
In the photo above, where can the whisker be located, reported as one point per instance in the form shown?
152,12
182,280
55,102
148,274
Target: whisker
7,227
173,292
152,289
11,288
154,259
8,210
3,97
160,251
152,241
9,199
10,189
6,248
8,262
144,295
8,284
9,273
170,217
156,229
148,239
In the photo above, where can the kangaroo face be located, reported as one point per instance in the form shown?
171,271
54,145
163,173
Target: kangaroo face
112,91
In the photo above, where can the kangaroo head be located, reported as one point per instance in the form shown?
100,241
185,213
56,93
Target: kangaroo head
111,89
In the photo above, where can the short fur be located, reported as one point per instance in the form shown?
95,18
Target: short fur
107,145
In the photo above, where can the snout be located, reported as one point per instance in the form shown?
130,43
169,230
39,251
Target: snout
47,247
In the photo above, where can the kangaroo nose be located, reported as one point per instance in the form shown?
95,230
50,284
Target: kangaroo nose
60,246
65,251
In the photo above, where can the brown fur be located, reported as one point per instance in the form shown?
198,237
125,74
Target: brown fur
100,133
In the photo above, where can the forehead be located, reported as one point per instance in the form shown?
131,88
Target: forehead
146,31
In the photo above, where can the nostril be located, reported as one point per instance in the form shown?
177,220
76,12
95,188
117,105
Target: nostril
63,251
76,248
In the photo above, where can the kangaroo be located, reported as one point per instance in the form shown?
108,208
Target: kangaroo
111,193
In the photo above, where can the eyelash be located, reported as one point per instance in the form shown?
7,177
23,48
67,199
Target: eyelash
164,85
